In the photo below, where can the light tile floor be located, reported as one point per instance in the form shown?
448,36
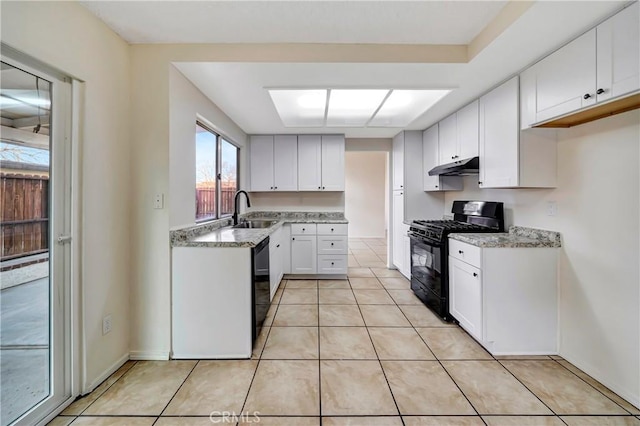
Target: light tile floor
354,352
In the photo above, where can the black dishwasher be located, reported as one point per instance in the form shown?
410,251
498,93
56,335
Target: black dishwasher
261,299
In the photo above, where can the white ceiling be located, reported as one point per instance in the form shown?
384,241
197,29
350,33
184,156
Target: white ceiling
413,22
239,89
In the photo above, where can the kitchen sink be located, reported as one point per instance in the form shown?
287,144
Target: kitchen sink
255,224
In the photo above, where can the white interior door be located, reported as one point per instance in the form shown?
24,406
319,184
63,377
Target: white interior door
35,300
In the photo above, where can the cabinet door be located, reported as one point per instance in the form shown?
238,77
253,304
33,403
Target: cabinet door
430,158
618,48
566,77
467,131
333,163
285,161
465,296
398,218
397,155
499,136
303,254
406,253
261,163
309,163
448,139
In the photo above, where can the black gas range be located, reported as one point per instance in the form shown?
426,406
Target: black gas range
429,248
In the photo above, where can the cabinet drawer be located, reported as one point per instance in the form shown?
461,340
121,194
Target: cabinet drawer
332,264
465,252
303,229
332,245
332,229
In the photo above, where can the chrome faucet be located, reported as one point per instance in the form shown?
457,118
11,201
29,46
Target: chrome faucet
235,204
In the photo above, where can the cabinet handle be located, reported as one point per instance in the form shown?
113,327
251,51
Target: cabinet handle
331,243
303,229
275,187
460,251
436,186
278,245
319,188
586,96
331,263
331,229
293,239
271,187
475,274
600,92
479,183
323,187
401,186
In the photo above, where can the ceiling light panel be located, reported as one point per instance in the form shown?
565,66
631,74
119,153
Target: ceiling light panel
402,107
353,107
300,108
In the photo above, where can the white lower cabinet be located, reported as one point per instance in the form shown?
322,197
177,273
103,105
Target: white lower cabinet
506,298
318,249
465,291
303,254
276,261
406,250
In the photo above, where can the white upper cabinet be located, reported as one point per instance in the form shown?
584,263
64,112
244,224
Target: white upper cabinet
618,49
448,139
598,66
285,161
467,131
510,157
321,162
430,158
565,80
499,135
398,161
274,163
332,163
261,163
458,138
309,163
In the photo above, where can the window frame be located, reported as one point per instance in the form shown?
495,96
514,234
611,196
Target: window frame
219,137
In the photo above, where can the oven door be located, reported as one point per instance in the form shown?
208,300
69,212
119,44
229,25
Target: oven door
427,279
426,264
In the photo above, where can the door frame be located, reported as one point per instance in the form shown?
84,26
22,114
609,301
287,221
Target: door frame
71,92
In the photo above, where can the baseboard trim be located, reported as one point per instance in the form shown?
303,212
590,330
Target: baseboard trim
630,397
149,355
105,375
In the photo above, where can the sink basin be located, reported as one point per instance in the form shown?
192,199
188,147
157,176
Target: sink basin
255,224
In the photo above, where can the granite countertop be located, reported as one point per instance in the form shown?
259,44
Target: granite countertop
220,234
517,237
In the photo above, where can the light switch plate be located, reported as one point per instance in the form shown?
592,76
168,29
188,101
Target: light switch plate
552,208
106,324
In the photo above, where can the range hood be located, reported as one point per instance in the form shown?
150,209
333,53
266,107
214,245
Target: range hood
470,166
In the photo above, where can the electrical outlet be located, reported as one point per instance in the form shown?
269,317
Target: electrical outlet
552,208
106,324
158,201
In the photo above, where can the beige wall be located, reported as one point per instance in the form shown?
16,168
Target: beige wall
598,215
365,193
188,104
66,36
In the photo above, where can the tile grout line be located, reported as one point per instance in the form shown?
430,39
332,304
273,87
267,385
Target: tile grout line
384,374
255,372
435,357
105,391
319,360
179,387
598,390
527,388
